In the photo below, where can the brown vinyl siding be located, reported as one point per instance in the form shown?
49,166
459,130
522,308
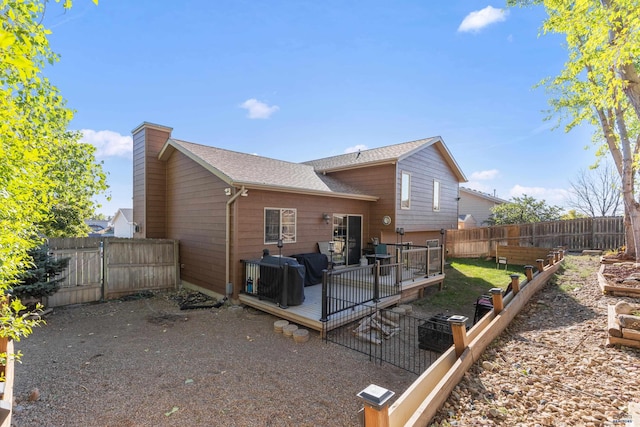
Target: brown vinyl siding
155,185
310,227
425,166
149,180
378,181
138,180
196,218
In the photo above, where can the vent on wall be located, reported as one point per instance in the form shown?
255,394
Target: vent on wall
432,243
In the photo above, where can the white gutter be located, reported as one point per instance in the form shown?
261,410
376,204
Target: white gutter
227,236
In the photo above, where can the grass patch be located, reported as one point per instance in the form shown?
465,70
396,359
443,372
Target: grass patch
468,278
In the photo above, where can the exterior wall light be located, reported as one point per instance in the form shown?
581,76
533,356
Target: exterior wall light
326,218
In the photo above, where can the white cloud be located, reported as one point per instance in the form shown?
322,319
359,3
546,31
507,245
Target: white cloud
485,175
355,148
477,20
258,110
108,143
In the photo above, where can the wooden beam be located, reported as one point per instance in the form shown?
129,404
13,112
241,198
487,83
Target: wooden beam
613,327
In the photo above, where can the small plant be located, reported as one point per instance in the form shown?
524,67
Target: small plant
42,279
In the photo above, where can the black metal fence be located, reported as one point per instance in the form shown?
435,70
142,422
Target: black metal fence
402,340
346,288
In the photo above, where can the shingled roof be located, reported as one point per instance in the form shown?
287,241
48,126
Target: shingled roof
387,154
252,171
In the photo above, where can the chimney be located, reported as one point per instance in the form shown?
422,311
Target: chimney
149,183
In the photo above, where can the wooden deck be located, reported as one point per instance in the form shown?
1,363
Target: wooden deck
308,314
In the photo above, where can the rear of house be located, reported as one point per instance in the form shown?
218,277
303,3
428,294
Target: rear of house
224,206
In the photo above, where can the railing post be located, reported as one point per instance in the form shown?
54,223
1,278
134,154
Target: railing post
325,302
376,283
556,256
515,283
496,296
528,271
398,268
540,263
550,258
376,408
441,259
284,299
459,332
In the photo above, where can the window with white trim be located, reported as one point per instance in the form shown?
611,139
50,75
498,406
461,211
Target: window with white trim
279,223
436,195
405,191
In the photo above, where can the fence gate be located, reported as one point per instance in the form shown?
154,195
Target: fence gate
107,268
386,336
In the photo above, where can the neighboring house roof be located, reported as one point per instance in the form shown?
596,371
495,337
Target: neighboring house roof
387,154
483,195
252,171
127,214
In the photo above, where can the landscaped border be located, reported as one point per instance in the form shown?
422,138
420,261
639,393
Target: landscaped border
420,402
618,291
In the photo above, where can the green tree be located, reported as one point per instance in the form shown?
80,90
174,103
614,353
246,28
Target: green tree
600,83
522,210
40,160
573,214
43,277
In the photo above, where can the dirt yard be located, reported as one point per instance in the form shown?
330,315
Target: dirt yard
147,363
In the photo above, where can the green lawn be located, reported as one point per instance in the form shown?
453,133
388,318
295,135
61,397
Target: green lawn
466,279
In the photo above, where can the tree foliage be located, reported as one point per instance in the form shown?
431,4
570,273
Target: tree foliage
600,83
43,277
522,210
43,166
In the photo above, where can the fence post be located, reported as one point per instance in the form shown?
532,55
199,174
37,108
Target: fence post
325,303
459,332
528,271
496,296
376,408
550,259
540,263
556,256
515,283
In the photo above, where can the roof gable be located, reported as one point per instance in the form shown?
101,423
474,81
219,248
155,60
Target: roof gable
480,194
385,155
127,214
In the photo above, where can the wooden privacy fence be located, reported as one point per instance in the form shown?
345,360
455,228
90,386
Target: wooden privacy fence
574,235
106,268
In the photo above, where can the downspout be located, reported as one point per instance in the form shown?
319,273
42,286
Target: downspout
227,239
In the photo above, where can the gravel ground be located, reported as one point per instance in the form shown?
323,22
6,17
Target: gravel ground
146,363
551,366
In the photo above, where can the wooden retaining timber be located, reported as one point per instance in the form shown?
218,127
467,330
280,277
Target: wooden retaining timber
618,291
623,329
420,402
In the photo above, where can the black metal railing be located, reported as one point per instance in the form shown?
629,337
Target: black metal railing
346,288
419,261
406,341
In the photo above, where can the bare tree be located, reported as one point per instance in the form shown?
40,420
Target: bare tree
597,192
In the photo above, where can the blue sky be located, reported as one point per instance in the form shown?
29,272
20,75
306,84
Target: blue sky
300,80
